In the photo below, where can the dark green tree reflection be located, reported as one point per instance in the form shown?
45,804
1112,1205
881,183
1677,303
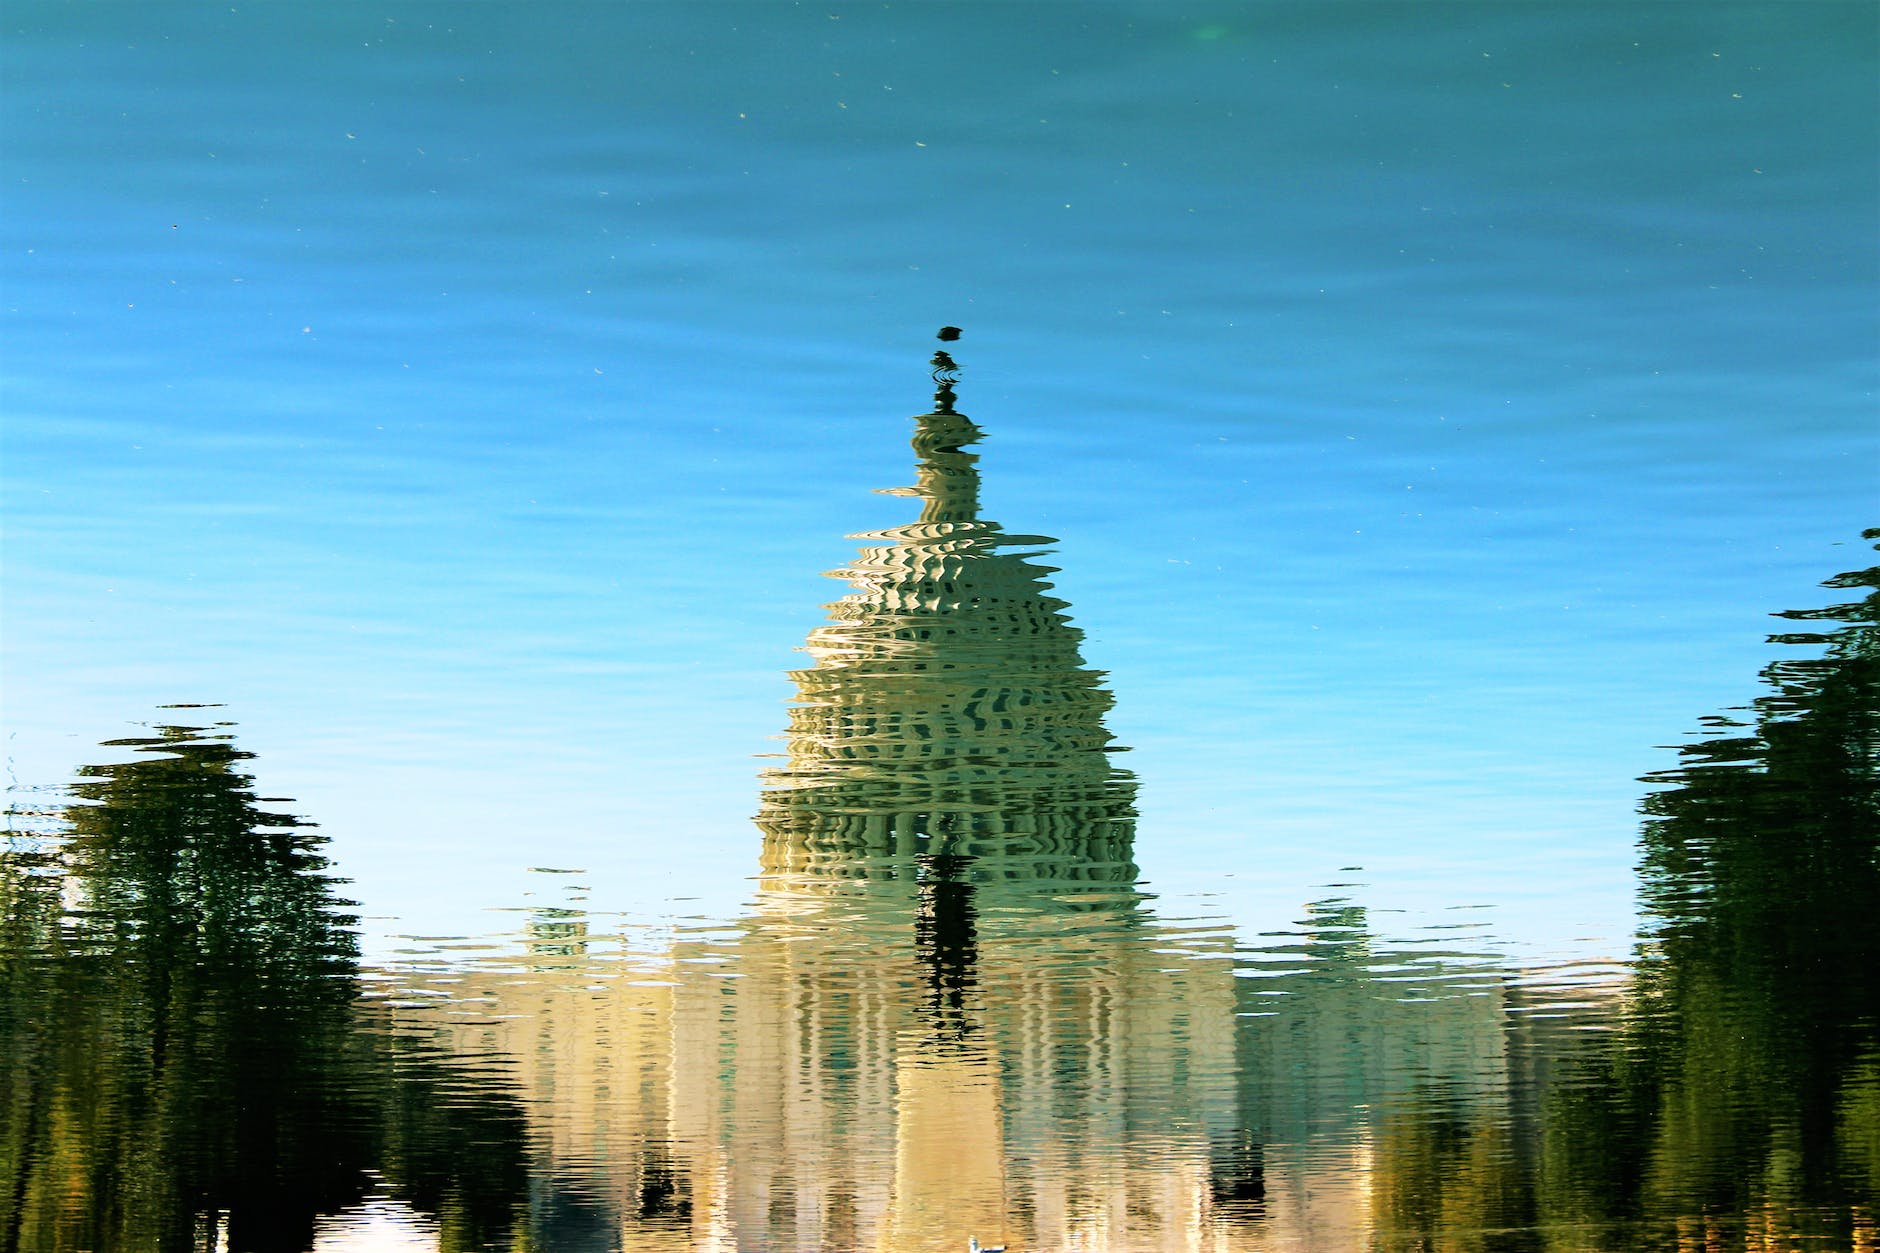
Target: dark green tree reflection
1737,1106
1761,876
1756,1037
179,996
452,1140
187,1064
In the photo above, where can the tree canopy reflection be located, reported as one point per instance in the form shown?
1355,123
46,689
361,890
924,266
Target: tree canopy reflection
1746,1088
1736,1105
199,966
187,1067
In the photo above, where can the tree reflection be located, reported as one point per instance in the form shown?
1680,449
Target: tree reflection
186,1067
1738,1104
178,1015
452,1142
1735,1107
1758,991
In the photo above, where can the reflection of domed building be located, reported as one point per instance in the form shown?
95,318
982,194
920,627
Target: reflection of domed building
1011,1050
949,1014
949,711
955,1018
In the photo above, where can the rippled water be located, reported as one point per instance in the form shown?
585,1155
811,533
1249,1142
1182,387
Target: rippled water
453,405
951,1011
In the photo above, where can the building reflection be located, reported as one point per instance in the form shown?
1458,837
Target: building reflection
948,938
1340,1032
949,1014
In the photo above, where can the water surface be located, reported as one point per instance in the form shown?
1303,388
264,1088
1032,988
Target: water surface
455,405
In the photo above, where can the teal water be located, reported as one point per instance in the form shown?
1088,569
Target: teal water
461,402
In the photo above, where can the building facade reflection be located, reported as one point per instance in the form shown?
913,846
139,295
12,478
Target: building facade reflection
950,1014
948,944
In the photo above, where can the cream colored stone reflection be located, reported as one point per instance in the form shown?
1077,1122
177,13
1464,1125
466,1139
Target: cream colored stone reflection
895,1069
949,1014
949,701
